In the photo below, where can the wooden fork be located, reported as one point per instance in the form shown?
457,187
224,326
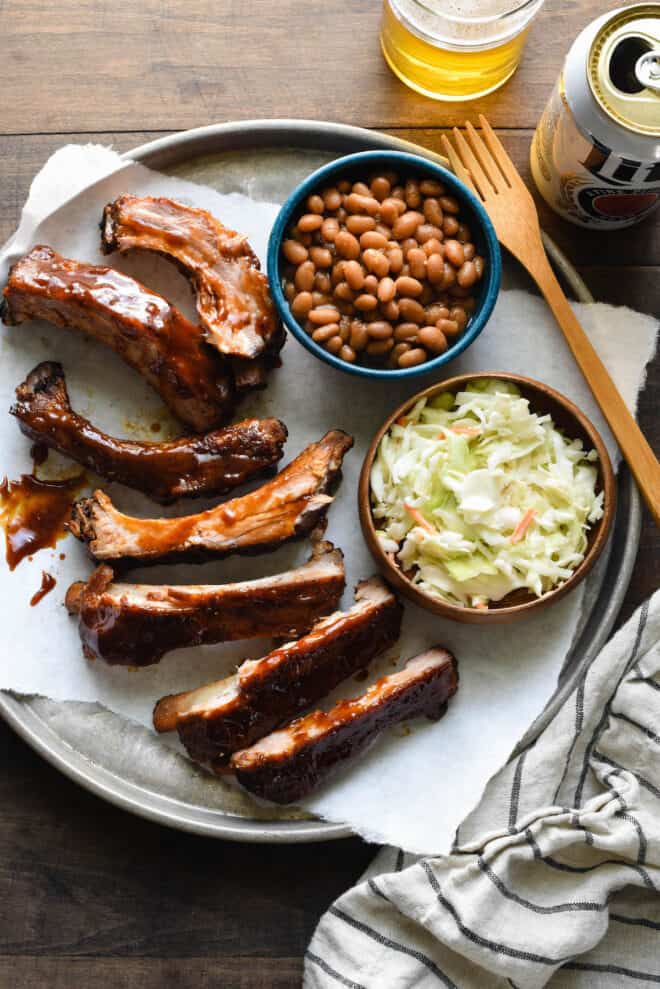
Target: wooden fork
486,168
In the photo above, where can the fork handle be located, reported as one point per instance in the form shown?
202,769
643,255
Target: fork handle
636,450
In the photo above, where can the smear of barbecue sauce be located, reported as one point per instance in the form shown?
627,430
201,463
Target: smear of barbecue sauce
33,513
47,584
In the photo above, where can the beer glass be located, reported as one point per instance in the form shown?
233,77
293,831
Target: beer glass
455,49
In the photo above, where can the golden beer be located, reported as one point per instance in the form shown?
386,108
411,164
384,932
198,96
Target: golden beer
455,49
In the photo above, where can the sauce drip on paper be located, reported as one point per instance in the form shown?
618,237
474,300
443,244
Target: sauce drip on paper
33,513
47,584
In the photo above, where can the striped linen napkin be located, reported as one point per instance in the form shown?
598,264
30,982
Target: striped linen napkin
553,878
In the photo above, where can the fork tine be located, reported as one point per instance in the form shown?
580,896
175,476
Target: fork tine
498,152
478,175
457,164
485,158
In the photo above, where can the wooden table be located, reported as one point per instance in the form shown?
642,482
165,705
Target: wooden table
91,896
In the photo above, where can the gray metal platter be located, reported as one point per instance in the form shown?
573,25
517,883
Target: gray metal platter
72,736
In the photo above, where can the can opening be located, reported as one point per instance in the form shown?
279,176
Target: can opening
622,64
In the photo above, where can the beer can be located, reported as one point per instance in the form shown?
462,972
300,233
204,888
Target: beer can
595,155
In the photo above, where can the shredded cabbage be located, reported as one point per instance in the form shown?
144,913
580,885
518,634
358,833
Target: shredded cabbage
477,496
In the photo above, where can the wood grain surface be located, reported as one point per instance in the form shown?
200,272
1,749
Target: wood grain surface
89,895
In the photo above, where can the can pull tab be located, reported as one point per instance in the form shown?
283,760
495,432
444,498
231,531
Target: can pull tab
647,70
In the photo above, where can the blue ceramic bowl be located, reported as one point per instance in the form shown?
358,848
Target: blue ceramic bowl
357,167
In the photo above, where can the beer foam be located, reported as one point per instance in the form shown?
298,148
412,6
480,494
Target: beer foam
467,21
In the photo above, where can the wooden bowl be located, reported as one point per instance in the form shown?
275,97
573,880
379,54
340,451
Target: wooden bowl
575,425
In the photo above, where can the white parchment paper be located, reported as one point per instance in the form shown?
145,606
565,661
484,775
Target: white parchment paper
420,781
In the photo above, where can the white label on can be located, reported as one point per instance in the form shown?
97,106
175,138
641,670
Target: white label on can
584,180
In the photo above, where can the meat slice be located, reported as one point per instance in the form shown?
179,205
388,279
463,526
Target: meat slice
191,466
290,763
233,298
136,624
147,332
288,507
220,718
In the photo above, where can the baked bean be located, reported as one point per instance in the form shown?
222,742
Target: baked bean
459,316
448,326
412,194
323,315
379,347
433,212
386,289
396,351
361,189
315,204
427,231
390,310
329,229
433,339
325,333
304,277
359,337
427,294
384,230
391,209
347,354
366,302
406,224
319,299
309,222
334,345
345,329
376,261
417,262
435,269
337,274
344,186
322,282
344,292
398,192
436,311
372,240
371,284
391,176
469,251
331,198
358,223
321,256
434,246
454,252
347,245
467,274
429,187
412,358
479,265
380,188
396,260
354,274
405,285
463,232
406,331
449,204
450,226
380,330
341,215
289,291
412,311
448,275
409,244
356,203
294,251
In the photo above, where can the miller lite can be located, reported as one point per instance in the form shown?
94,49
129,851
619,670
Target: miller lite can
595,156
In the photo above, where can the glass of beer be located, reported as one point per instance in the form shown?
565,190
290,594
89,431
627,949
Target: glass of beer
455,49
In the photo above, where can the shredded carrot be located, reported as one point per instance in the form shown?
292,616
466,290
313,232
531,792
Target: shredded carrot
466,430
481,606
402,421
418,517
441,436
522,527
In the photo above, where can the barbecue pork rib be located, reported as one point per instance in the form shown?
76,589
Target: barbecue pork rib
232,294
147,332
288,507
288,764
214,463
220,718
136,624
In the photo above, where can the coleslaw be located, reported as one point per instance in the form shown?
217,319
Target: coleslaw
476,496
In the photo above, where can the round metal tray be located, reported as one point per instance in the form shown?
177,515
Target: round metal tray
44,724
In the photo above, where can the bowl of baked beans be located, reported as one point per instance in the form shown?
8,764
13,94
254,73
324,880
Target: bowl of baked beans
384,264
